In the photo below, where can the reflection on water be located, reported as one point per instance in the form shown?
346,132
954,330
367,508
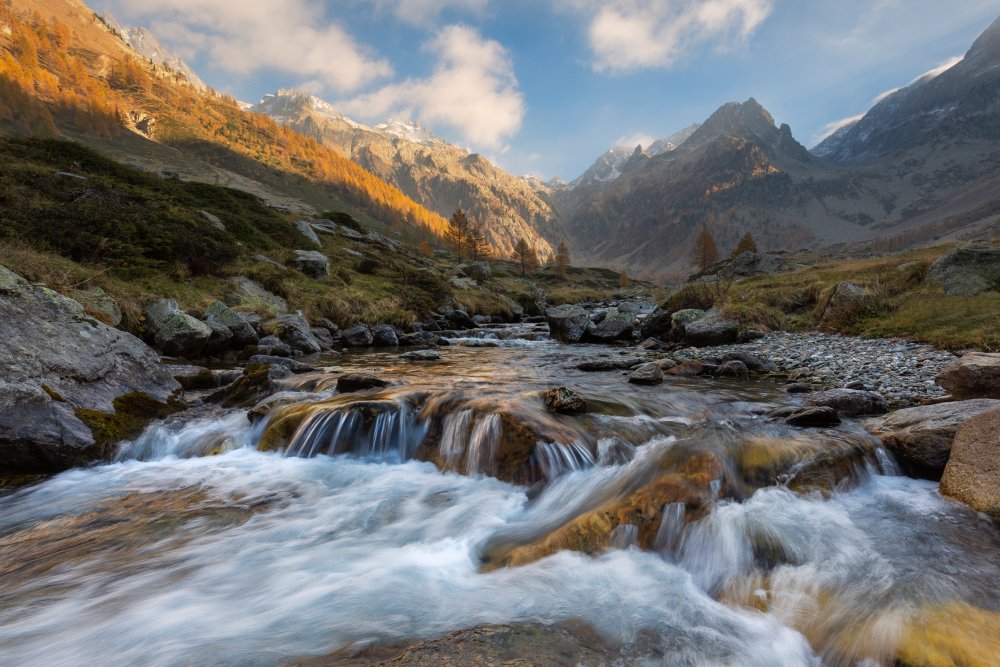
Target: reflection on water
676,521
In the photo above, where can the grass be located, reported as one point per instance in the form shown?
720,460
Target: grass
900,302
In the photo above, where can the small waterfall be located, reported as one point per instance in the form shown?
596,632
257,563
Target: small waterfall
379,431
555,459
614,451
483,443
454,436
624,536
671,531
175,437
886,463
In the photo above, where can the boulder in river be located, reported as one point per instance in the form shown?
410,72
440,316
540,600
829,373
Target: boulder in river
614,326
70,386
754,362
967,271
384,335
646,374
850,402
567,323
175,332
564,401
921,437
813,417
712,329
975,375
657,324
421,355
735,369
295,331
973,471
358,336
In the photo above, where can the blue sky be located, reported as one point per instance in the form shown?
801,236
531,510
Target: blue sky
545,86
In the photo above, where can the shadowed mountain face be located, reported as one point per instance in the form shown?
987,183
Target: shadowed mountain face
441,176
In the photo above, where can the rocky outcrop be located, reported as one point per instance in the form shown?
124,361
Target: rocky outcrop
973,471
174,332
312,263
967,271
921,437
850,402
65,374
567,323
976,375
751,264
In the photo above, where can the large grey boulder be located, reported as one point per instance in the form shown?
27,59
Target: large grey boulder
712,329
358,336
967,271
975,375
921,437
174,332
307,231
248,295
384,335
56,361
567,323
296,332
847,297
850,402
657,324
243,332
614,326
973,471
312,263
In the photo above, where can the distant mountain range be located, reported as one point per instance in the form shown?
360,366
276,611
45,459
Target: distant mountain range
922,165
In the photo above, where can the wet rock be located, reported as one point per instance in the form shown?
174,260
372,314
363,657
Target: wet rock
564,401
614,326
967,271
243,332
754,362
975,375
307,231
651,344
418,338
598,316
60,371
849,402
680,319
248,295
921,437
282,362
647,374
815,417
421,355
972,474
666,364
99,304
597,365
733,369
798,388
312,263
256,383
384,335
358,336
325,338
220,340
295,331
712,329
175,332
359,382
687,369
196,378
274,346
567,323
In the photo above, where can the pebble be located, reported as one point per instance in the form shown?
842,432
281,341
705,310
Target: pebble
901,370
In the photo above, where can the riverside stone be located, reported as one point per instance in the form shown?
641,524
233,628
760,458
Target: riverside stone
358,336
614,326
972,474
567,323
646,374
976,374
175,332
56,361
849,402
385,336
243,333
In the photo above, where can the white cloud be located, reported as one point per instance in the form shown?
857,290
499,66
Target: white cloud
830,128
627,35
424,12
241,37
638,139
472,90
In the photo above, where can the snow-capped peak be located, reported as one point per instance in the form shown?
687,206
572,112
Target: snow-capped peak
408,130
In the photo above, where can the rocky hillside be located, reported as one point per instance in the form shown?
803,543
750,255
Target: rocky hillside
439,175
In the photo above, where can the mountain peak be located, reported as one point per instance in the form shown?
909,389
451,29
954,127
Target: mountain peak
408,130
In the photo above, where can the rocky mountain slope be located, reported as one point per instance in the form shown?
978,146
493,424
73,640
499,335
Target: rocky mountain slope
439,175
145,43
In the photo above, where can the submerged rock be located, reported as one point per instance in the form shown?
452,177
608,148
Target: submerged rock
972,474
64,375
818,417
359,382
565,401
921,437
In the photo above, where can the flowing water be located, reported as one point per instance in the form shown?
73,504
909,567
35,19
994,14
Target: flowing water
677,522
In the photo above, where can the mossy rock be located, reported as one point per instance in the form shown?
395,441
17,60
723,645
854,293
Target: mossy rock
133,412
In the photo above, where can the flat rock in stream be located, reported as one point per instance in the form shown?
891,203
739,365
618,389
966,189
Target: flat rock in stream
359,382
597,365
849,402
56,361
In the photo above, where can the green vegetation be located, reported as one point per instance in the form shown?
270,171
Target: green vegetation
898,301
